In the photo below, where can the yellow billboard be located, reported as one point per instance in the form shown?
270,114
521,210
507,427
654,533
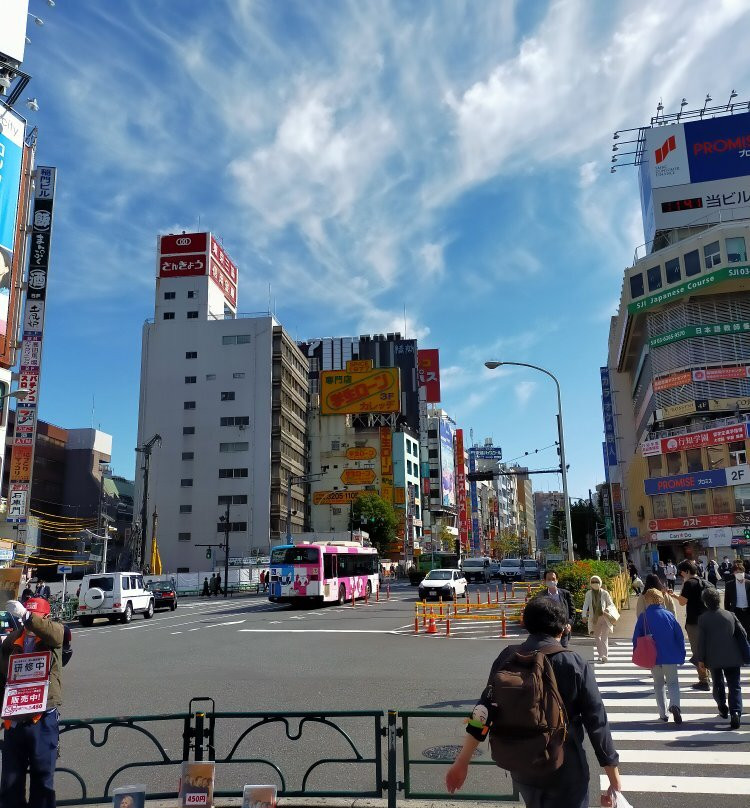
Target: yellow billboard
343,392
335,497
361,453
358,476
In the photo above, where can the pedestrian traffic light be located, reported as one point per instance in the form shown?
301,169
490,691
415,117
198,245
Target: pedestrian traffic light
747,533
208,553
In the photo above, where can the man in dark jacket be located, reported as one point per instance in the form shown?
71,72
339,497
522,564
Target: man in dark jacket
30,741
568,787
719,638
737,595
563,598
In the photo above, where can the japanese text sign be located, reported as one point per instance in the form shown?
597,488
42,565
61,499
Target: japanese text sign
376,390
428,364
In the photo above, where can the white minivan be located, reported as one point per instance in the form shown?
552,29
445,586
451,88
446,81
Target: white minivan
114,595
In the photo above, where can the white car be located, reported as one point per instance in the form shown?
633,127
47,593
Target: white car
114,595
443,584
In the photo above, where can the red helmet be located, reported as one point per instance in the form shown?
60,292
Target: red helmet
38,606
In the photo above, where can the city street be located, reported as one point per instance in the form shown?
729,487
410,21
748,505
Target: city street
251,655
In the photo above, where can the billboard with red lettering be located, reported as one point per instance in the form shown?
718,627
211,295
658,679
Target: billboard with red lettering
428,364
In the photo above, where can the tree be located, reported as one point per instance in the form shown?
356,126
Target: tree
585,519
508,544
377,517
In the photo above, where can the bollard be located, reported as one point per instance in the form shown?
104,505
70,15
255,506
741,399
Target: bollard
488,596
478,596
377,594
353,598
528,591
502,622
455,608
424,612
416,624
497,594
388,590
447,627
505,592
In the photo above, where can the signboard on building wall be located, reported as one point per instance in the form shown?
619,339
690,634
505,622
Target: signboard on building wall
700,375
463,515
476,536
335,497
22,453
358,476
447,465
710,330
715,278
702,405
361,453
428,365
223,271
343,392
608,414
695,440
13,29
386,463
716,478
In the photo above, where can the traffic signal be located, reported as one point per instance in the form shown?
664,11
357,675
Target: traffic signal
208,553
747,533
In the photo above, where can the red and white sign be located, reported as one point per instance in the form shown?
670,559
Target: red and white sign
692,522
694,440
651,447
463,515
673,380
182,266
27,684
29,667
717,374
428,364
223,271
184,243
196,799
30,382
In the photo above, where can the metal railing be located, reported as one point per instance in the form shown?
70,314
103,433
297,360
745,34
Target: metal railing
330,753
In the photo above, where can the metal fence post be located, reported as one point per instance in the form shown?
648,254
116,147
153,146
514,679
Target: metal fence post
392,759
199,735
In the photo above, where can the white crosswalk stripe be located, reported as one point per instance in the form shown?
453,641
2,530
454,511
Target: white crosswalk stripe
665,758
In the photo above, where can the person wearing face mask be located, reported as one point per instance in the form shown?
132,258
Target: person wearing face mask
595,606
563,598
737,595
691,598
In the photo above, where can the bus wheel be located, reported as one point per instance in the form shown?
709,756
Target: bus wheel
342,595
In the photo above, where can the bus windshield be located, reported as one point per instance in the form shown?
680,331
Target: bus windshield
295,555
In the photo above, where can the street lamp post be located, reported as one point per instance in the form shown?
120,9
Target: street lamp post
563,466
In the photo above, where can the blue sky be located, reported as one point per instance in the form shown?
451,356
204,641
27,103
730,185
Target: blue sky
450,157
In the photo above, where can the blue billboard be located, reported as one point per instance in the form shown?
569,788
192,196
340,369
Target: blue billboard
608,415
718,148
717,478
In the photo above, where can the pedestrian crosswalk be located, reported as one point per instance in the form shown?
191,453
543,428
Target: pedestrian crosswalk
700,756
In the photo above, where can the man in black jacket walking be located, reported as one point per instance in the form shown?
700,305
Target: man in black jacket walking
737,595
563,598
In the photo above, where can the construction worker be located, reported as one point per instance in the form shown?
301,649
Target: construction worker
30,742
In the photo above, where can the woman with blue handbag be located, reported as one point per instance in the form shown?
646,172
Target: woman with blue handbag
658,643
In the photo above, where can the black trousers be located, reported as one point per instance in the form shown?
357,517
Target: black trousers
32,748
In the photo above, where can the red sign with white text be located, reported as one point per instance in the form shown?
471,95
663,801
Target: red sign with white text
223,271
182,266
709,437
184,243
428,364
687,522
463,516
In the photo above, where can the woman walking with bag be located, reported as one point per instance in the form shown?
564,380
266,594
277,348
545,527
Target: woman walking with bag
659,644
600,610
653,582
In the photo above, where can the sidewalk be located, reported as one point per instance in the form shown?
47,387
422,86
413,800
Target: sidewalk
626,624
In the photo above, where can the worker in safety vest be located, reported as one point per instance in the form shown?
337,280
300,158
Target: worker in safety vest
30,742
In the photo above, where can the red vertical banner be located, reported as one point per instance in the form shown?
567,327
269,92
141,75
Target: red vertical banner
428,364
463,516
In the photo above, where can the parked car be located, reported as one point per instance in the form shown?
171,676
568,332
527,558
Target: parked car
531,570
443,584
114,595
511,570
165,595
7,625
476,569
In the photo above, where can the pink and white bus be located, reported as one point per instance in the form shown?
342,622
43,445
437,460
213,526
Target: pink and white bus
322,572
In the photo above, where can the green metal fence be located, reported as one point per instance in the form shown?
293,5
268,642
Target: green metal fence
306,754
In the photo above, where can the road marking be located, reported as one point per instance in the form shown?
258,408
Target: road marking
672,735
629,718
195,629
628,702
315,631
230,623
274,622
701,758
627,689
176,632
650,784
297,617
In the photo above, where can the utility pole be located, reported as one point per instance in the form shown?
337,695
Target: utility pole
227,528
290,481
145,450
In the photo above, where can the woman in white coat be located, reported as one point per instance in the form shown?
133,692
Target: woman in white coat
595,605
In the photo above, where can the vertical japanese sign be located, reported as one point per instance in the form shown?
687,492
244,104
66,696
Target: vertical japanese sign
428,365
608,415
22,456
463,516
386,464
619,515
475,532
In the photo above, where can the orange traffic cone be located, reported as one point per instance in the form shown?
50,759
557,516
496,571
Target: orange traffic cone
431,627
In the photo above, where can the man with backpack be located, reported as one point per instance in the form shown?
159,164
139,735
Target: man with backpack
691,598
546,760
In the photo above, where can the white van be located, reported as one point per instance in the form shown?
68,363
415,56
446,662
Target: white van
114,595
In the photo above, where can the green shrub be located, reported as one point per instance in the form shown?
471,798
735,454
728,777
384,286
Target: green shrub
575,575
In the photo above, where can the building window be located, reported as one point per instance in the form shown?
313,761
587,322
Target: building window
636,286
225,474
737,453
188,405
192,315
654,466
335,445
169,295
235,339
736,250
432,453
692,263
188,455
679,504
210,377
712,254
672,270
654,278
694,460
186,482
674,463
234,527
191,379
186,508
237,446
227,395
722,499
232,499
432,433
700,503
659,505
169,315
238,375
183,537
191,294
715,455
235,420
742,498
188,430
434,473
191,354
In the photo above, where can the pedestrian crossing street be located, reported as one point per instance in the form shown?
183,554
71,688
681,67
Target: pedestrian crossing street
700,756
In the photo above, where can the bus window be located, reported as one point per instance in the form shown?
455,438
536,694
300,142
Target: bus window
295,555
329,570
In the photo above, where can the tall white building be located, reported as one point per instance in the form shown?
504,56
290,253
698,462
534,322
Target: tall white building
227,394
